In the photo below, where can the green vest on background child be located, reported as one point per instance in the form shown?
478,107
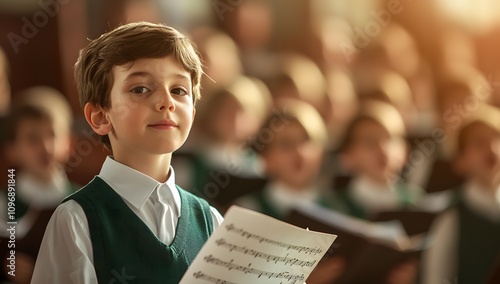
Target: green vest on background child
465,238
478,245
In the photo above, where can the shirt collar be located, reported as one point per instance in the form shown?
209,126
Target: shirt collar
41,194
372,195
134,186
285,198
481,201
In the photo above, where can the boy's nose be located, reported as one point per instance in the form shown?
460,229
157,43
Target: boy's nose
165,101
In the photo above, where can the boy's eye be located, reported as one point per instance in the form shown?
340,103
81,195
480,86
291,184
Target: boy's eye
179,91
140,90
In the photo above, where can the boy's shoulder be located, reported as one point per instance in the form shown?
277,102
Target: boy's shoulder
93,185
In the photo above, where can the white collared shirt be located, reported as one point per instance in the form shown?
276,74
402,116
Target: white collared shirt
38,195
65,255
375,197
439,262
283,198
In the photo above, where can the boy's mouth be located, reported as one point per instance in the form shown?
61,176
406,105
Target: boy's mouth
164,124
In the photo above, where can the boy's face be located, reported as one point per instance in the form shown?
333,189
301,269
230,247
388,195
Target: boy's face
33,148
374,153
480,159
292,157
230,122
151,107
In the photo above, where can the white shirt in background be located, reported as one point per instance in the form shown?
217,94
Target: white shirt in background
38,195
281,197
375,197
439,262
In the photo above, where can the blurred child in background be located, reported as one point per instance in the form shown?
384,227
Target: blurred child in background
41,183
57,106
230,118
343,101
465,244
221,56
37,144
292,142
226,120
374,151
300,78
459,89
392,88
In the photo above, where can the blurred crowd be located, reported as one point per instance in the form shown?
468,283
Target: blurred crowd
356,122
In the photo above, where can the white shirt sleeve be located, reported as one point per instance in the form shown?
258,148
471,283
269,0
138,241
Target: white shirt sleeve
216,216
65,254
439,261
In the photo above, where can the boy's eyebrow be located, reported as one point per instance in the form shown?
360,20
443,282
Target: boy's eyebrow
182,76
147,74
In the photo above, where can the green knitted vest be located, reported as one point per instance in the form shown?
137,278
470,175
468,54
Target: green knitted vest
478,247
125,250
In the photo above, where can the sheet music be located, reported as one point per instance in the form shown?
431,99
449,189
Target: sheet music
249,247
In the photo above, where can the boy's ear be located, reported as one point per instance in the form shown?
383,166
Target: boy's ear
96,117
194,113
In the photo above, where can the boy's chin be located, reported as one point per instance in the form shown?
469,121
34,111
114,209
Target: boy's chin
165,149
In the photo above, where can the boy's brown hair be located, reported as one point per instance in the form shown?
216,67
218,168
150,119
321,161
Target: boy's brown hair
19,115
485,114
124,45
291,110
380,112
454,79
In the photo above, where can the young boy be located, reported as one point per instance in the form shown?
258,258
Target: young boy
41,183
138,85
57,106
466,245
291,143
374,151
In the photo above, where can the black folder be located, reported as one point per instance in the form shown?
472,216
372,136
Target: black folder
368,259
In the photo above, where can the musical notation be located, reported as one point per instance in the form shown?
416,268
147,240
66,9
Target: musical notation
245,234
249,248
249,270
269,257
201,275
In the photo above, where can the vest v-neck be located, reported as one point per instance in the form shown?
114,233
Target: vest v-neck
179,239
121,241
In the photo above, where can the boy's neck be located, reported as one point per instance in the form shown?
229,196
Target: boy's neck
155,166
